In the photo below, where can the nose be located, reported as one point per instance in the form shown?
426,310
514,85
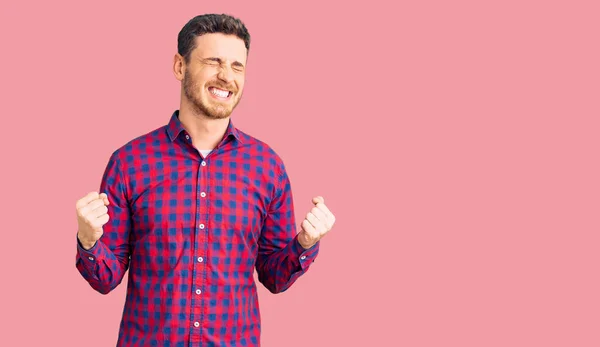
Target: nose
225,74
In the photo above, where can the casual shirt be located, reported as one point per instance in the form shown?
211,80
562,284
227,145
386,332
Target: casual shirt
191,230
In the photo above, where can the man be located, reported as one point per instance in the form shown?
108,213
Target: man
193,207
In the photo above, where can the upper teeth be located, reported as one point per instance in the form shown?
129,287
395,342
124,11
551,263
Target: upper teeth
219,92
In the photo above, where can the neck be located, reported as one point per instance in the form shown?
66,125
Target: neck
206,132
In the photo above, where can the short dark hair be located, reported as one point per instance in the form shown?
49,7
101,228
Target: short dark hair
207,24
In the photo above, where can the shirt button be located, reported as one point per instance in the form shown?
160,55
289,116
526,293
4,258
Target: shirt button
303,257
200,259
187,137
203,194
201,226
196,324
198,291
203,163
91,258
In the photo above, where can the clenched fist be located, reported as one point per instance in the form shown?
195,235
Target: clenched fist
92,214
317,223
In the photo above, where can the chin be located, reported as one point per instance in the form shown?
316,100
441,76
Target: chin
219,114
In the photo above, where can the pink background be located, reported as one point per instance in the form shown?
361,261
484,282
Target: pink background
456,142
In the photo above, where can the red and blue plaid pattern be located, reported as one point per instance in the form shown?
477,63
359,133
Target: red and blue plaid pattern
191,230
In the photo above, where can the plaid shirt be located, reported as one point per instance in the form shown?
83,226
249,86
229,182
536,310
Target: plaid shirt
191,230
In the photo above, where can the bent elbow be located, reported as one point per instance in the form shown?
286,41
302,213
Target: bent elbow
272,285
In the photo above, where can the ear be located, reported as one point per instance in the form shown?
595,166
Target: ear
178,67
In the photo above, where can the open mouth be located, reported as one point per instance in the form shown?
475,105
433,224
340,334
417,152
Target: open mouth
220,93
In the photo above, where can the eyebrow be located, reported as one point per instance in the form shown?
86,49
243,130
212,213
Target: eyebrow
220,61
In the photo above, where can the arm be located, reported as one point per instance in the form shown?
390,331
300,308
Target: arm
103,252
281,259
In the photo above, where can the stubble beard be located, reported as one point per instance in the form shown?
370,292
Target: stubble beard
191,91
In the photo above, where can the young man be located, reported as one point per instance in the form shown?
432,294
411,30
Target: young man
193,207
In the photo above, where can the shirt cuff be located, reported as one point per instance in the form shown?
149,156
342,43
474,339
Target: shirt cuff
90,256
305,256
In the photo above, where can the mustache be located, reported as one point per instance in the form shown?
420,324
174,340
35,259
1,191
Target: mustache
220,85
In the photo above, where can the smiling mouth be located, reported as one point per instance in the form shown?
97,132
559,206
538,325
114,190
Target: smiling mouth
220,93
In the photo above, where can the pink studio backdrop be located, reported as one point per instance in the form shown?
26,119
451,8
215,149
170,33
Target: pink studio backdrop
456,142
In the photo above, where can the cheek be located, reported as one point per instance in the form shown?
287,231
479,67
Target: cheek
240,83
202,77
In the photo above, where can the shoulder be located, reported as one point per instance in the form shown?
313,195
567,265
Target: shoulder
261,151
140,146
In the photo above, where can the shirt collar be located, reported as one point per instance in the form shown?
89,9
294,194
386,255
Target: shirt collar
174,128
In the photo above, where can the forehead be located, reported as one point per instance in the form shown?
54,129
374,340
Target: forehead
228,47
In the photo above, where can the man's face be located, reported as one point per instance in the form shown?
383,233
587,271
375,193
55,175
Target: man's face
214,76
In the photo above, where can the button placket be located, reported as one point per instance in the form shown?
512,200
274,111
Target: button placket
201,215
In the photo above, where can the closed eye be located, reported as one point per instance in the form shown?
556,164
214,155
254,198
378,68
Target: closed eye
213,61
237,67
